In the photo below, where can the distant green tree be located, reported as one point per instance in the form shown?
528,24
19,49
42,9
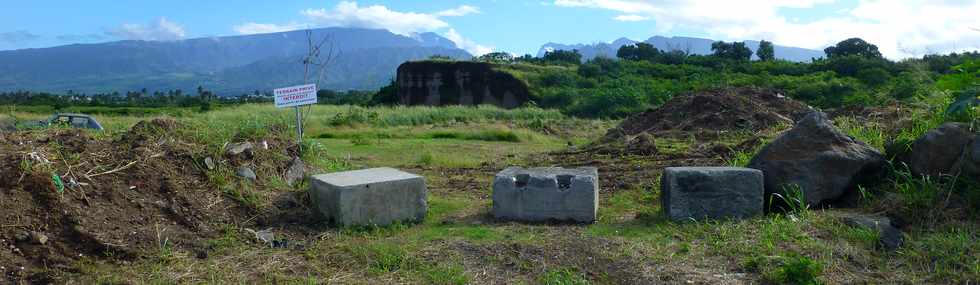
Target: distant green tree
441,57
733,50
563,56
639,51
766,51
853,46
205,98
496,57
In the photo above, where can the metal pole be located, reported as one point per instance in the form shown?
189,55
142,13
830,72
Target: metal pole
299,127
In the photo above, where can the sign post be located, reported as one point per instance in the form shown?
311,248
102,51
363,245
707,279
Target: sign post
296,96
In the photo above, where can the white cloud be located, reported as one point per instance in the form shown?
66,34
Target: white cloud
159,30
460,11
466,44
349,14
900,28
631,18
258,28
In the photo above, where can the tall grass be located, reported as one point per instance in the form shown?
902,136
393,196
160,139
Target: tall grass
867,132
425,115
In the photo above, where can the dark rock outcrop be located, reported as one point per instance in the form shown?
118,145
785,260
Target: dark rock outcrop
437,83
819,159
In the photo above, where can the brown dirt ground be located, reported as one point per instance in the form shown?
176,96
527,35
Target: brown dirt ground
123,198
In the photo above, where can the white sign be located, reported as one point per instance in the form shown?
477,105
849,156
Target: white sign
295,96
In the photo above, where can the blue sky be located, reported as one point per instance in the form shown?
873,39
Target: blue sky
901,28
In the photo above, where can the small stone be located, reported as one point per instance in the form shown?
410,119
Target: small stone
39,238
247,173
22,236
209,162
236,149
296,171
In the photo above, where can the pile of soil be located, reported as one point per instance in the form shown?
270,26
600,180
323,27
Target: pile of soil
68,196
720,110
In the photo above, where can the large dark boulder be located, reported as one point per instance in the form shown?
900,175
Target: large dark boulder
938,150
819,159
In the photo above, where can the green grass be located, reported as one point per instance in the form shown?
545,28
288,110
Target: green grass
445,274
867,132
383,257
800,270
564,276
458,243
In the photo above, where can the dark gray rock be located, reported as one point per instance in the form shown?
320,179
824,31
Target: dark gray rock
819,159
697,193
546,193
890,237
296,171
236,149
938,150
247,173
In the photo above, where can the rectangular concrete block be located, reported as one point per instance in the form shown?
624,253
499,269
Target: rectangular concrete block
376,196
542,194
698,193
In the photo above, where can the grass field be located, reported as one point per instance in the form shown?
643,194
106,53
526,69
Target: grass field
458,150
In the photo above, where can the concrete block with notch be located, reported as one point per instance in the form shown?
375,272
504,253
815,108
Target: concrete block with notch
543,194
376,196
699,193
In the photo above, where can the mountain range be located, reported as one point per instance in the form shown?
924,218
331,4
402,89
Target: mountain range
364,59
687,44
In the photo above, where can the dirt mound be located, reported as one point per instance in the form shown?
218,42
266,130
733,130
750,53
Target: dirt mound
716,110
67,196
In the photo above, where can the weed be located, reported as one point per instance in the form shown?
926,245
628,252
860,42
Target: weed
360,140
740,158
792,200
383,257
867,132
425,159
564,276
445,274
797,269
920,194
